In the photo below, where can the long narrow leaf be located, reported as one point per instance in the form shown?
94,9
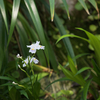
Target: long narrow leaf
69,35
84,5
71,76
66,7
3,42
30,4
62,31
52,4
85,89
94,41
23,38
82,69
66,40
72,65
15,9
3,11
33,37
93,2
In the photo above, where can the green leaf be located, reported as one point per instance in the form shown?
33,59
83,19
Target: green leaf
94,41
66,7
52,4
93,2
36,90
14,94
3,42
62,31
7,78
71,76
3,11
30,4
69,35
52,57
66,41
84,5
85,89
6,84
82,69
15,9
23,39
61,79
72,65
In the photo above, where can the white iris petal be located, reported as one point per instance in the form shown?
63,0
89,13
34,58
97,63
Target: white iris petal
34,47
29,60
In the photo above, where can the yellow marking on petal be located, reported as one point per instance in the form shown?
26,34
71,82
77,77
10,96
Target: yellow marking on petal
40,46
32,49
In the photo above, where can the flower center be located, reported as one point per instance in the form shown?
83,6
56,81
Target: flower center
32,49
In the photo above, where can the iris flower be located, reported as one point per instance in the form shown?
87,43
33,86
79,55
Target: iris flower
35,46
29,60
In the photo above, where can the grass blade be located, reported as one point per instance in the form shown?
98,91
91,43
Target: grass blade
94,41
72,65
66,41
22,38
66,7
69,35
62,31
82,69
52,4
30,4
84,5
93,2
3,41
15,9
71,76
3,11
85,89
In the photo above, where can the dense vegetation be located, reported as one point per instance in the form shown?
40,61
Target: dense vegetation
44,48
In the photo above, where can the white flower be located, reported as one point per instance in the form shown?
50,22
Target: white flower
26,61
34,60
29,60
18,56
34,47
14,83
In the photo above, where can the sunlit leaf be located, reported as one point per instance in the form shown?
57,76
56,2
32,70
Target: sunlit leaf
52,5
72,65
93,2
66,7
15,10
84,5
3,11
69,35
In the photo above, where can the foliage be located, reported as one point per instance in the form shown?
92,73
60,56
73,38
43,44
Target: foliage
22,23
